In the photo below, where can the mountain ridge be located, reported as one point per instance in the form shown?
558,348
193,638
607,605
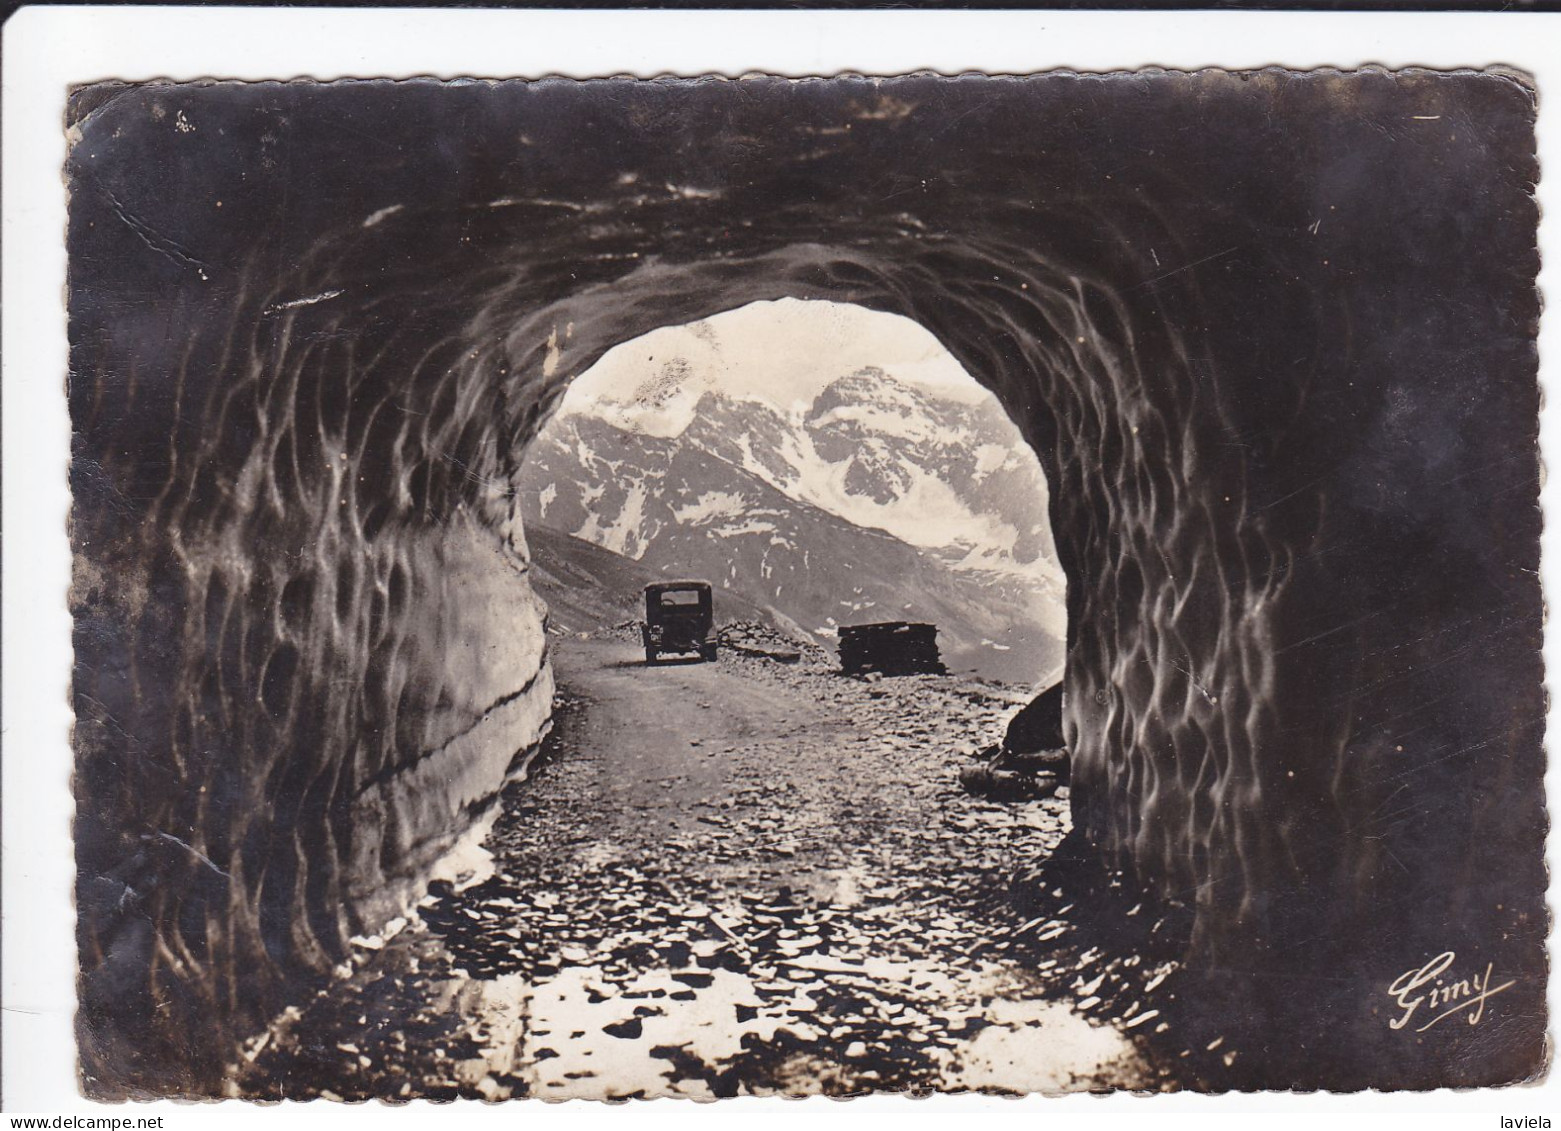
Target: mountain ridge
751,497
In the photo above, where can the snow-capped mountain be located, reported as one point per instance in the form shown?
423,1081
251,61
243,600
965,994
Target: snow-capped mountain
937,473
876,501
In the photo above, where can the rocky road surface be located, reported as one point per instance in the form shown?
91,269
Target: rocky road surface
746,878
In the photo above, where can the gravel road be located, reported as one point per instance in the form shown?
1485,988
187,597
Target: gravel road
735,878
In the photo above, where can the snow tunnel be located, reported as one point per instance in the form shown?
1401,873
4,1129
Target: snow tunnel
1302,674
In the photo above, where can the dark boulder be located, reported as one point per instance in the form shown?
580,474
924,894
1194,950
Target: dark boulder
1039,726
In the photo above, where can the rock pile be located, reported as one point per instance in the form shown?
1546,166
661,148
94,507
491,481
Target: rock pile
750,638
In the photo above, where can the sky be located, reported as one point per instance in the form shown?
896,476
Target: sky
785,351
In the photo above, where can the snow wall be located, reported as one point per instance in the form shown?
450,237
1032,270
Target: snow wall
1270,335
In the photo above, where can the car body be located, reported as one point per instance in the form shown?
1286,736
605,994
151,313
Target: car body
679,616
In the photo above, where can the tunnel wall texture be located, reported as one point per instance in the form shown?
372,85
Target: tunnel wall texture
1270,334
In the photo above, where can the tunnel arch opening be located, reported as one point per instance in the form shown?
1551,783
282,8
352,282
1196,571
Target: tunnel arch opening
1140,532
825,465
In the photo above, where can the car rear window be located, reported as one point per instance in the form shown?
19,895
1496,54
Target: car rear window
681,597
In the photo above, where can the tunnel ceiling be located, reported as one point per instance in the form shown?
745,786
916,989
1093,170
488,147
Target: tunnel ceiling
1270,334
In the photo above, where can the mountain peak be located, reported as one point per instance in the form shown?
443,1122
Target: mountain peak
872,385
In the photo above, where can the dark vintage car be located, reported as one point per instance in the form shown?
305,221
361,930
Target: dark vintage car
678,618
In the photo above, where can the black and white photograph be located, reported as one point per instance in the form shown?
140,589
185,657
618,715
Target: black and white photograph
719,586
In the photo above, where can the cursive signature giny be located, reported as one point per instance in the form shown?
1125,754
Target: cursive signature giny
1442,996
